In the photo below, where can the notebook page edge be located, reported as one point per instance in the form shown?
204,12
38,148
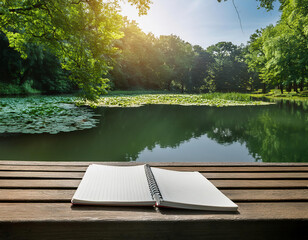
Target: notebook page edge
88,181
165,184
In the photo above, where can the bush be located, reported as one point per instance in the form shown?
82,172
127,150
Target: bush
13,89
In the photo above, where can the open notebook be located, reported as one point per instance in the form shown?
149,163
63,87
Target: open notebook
148,186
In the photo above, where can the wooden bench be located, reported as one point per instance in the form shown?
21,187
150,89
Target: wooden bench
272,198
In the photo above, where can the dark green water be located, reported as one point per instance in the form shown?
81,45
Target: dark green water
274,133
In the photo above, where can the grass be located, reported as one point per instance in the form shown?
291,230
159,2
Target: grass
275,94
140,98
242,97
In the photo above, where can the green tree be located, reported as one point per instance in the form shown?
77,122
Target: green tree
178,56
80,33
280,53
41,70
255,57
268,4
139,63
200,70
229,71
10,62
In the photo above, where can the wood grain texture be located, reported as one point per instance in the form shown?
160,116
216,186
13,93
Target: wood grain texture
260,184
42,168
171,164
47,168
42,183
42,175
238,169
254,175
153,230
219,175
29,212
272,198
267,195
222,184
57,195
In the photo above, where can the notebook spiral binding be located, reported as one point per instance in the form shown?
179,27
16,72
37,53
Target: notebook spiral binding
152,183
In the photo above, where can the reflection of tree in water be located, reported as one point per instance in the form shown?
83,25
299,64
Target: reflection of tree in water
146,127
279,134
271,133
121,135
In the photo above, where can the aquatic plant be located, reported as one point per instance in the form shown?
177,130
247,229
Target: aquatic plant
211,99
44,115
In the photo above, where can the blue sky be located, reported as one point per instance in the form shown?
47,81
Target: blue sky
203,22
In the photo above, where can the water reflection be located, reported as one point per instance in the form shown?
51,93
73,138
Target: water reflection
197,150
274,133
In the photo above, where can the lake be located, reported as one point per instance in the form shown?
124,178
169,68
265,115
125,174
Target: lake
163,133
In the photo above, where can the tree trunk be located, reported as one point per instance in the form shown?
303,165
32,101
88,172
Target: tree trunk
264,88
295,87
281,88
182,87
289,88
24,77
169,85
301,85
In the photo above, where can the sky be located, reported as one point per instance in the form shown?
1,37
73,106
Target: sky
203,22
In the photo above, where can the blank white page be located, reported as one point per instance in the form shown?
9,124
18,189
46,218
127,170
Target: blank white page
114,185
190,190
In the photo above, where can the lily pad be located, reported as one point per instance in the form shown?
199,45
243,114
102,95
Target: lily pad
32,115
218,100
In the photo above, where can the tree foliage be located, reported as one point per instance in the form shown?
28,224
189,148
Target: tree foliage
267,4
80,33
41,70
84,38
139,61
169,63
280,53
229,70
178,55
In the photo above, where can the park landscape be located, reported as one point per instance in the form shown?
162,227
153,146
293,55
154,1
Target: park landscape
64,64
101,100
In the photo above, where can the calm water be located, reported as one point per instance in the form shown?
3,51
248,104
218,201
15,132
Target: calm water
274,133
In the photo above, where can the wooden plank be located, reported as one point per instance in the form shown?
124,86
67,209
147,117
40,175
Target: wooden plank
267,195
256,175
56,195
222,184
193,168
79,175
171,164
153,230
36,221
263,184
34,213
41,175
36,195
42,168
239,169
42,183
16,212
